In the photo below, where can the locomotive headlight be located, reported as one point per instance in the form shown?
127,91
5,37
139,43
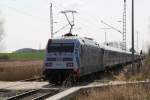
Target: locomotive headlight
69,64
48,64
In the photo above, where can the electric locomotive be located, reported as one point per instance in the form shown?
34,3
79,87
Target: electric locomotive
73,57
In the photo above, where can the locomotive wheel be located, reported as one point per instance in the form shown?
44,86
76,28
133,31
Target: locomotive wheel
69,81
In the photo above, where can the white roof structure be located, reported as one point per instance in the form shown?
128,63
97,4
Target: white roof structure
91,42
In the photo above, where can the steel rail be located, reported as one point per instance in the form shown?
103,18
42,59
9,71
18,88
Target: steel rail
22,95
33,79
44,96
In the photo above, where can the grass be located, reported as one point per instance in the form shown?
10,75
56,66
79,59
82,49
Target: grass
20,70
145,71
132,92
20,66
22,56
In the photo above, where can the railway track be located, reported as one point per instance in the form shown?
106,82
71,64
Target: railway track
12,93
38,94
37,79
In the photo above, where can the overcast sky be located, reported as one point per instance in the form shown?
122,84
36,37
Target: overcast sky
27,21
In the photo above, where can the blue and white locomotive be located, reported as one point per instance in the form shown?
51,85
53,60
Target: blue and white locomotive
75,56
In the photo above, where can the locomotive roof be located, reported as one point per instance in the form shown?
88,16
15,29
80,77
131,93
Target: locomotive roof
114,49
82,40
90,42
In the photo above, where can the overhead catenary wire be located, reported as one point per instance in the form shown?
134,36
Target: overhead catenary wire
89,22
61,29
24,13
111,26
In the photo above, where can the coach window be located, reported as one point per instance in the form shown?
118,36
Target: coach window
81,51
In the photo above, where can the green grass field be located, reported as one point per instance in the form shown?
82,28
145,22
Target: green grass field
22,56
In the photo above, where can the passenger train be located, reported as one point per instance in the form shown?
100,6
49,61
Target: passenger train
78,57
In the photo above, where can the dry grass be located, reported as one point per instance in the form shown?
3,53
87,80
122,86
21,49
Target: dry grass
19,70
145,71
134,92
142,74
128,76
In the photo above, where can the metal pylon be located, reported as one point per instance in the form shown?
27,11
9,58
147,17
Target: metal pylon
124,26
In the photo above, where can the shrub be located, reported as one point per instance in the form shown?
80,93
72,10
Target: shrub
4,57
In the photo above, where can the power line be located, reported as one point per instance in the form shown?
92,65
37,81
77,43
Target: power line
71,23
23,12
111,26
61,28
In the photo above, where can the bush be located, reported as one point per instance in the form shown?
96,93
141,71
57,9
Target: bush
4,57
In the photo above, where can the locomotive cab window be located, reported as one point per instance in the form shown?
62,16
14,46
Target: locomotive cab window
60,47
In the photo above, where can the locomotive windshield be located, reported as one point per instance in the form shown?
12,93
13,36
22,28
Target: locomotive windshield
60,47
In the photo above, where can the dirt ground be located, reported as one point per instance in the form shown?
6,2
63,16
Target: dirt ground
19,70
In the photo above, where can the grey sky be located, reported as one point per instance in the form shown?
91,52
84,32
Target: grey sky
27,21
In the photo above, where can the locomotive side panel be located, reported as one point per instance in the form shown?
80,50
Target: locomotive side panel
91,60
111,58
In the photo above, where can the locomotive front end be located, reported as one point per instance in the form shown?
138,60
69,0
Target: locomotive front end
61,60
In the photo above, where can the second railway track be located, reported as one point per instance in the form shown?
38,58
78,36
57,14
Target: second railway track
29,91
37,94
39,78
